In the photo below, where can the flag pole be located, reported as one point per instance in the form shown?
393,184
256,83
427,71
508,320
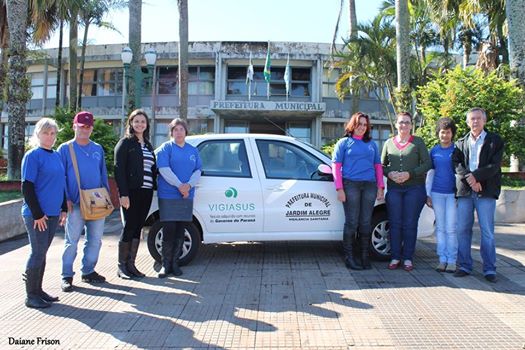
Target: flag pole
249,79
267,72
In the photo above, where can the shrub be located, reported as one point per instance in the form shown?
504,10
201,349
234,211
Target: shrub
452,94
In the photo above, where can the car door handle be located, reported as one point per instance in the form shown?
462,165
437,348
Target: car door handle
276,188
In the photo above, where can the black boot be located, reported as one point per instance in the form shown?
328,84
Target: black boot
134,248
123,256
43,294
177,252
365,257
348,246
167,253
33,299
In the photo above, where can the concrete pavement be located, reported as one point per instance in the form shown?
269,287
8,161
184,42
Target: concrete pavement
270,296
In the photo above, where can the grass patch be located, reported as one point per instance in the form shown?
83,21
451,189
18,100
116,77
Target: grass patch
512,184
9,195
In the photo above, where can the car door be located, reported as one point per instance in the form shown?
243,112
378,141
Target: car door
299,203
229,200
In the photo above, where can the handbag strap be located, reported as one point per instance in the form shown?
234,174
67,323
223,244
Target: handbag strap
75,164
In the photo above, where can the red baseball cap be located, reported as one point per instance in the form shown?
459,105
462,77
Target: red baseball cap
83,118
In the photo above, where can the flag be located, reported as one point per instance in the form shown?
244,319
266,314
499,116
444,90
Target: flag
249,73
267,66
288,76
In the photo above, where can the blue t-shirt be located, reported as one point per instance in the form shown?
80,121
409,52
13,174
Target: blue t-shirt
45,170
91,168
444,179
183,161
358,159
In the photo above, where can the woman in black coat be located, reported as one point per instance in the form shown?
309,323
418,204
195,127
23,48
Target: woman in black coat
135,173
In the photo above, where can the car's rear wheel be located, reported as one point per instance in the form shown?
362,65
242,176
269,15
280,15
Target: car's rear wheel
189,248
379,242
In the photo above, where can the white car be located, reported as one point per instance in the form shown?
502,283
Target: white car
257,187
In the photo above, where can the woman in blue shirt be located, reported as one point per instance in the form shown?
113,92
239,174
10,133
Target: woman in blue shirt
179,166
358,177
44,207
441,187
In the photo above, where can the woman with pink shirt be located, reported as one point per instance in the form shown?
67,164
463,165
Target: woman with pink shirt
358,177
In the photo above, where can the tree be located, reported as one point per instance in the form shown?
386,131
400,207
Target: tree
183,58
18,94
515,15
368,63
73,66
403,97
4,44
135,27
453,93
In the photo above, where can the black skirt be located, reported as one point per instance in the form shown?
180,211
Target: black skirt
176,209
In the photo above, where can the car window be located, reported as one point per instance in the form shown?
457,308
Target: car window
283,160
224,158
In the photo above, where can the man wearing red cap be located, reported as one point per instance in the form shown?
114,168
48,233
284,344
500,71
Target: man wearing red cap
93,174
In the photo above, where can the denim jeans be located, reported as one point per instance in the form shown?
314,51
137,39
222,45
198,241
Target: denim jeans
93,241
404,206
39,241
359,206
447,240
485,208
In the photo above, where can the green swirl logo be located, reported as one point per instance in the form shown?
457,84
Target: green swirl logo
231,193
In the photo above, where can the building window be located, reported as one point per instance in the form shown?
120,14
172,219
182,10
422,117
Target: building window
37,85
101,82
201,80
330,77
233,127
300,130
168,80
300,84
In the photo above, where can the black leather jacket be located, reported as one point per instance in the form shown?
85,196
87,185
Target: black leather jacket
129,165
488,172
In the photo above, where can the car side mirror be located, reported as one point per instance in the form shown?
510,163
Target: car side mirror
324,169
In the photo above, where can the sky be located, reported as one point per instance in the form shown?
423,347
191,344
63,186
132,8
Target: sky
234,20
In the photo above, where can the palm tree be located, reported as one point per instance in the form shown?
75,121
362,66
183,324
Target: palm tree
403,93
183,58
135,27
368,63
18,94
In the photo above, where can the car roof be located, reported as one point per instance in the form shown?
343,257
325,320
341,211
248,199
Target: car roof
198,138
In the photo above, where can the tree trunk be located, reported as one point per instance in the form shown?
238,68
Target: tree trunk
352,19
4,46
59,63
515,13
73,43
135,19
18,94
183,58
467,49
403,96
82,62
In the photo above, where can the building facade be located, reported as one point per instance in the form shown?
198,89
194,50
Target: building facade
221,99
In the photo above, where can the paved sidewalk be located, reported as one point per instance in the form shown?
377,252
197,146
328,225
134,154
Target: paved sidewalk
271,296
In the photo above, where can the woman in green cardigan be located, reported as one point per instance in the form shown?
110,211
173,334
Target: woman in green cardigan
405,163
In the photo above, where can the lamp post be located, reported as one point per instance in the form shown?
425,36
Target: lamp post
151,57
126,56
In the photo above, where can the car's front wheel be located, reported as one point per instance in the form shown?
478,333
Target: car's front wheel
379,242
190,247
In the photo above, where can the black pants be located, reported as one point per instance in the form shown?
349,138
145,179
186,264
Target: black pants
135,215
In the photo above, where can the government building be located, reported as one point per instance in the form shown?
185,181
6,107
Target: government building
221,98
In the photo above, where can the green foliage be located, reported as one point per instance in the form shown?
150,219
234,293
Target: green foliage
103,134
9,195
328,148
512,183
452,94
